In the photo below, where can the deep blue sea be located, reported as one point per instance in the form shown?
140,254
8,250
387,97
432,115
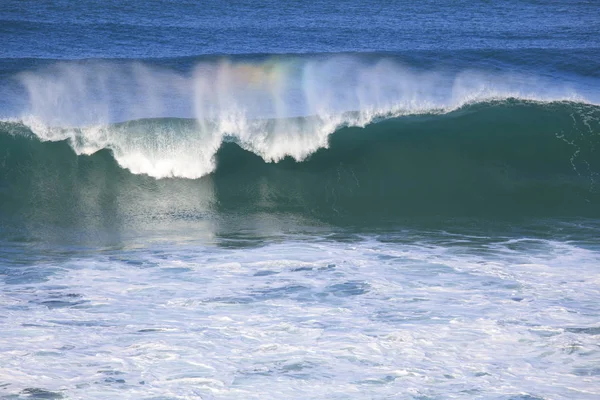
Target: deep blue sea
300,200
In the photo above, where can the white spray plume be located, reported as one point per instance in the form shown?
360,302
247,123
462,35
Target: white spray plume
276,108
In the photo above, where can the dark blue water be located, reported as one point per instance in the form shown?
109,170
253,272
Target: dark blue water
136,30
280,200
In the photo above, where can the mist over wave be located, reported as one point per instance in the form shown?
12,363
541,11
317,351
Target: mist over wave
274,107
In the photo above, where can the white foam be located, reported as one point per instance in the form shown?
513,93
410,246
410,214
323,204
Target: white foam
283,321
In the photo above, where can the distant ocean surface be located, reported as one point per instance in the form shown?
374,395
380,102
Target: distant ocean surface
300,200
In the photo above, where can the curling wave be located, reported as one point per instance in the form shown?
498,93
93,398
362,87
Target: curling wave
277,107
506,158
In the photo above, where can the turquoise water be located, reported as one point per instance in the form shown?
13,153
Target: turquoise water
290,200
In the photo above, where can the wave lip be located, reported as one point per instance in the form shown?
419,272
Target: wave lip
186,148
279,107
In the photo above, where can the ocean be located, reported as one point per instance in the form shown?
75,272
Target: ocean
300,200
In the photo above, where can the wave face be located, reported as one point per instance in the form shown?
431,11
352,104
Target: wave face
500,159
337,138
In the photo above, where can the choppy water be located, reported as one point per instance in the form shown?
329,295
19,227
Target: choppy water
289,200
387,315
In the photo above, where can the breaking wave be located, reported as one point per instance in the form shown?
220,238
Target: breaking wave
275,108
339,139
506,158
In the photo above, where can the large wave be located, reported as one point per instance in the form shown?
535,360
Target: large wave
274,107
500,159
344,139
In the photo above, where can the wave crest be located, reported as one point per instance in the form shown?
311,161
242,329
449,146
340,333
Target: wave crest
279,107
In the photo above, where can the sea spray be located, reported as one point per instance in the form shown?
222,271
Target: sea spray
278,107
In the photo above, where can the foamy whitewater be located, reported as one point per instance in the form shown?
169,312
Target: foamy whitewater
363,317
309,200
